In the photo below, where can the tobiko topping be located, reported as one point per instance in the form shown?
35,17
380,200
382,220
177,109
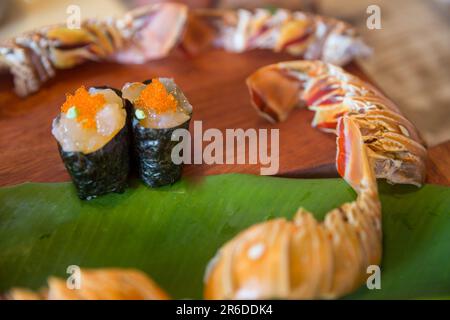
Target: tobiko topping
155,99
83,106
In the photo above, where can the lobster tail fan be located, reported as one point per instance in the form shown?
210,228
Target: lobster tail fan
272,93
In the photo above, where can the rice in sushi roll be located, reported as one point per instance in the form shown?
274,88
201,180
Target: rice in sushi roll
159,108
93,140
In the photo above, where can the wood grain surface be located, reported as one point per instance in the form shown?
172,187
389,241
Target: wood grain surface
438,167
214,82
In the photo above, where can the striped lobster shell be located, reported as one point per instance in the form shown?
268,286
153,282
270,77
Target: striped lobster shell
305,258
137,37
152,31
395,148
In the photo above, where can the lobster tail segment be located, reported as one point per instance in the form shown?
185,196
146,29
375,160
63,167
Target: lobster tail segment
273,94
352,161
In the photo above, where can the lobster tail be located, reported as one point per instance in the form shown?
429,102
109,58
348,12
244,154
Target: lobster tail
305,258
151,32
394,147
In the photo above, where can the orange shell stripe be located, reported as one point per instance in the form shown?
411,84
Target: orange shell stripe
87,106
155,99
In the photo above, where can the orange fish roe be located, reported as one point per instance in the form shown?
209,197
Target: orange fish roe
86,105
155,98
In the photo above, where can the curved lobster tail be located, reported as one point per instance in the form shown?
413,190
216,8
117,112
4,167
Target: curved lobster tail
395,149
305,258
151,32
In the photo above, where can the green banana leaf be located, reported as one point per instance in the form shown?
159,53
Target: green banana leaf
172,232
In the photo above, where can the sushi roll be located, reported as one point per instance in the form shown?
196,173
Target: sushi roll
93,140
159,108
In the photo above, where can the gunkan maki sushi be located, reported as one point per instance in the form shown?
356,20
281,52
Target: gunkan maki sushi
159,108
93,140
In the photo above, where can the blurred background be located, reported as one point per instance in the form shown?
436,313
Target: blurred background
411,50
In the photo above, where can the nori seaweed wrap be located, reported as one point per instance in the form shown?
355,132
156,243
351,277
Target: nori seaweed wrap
160,108
93,134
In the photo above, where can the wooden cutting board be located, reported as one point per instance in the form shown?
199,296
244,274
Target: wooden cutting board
214,82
